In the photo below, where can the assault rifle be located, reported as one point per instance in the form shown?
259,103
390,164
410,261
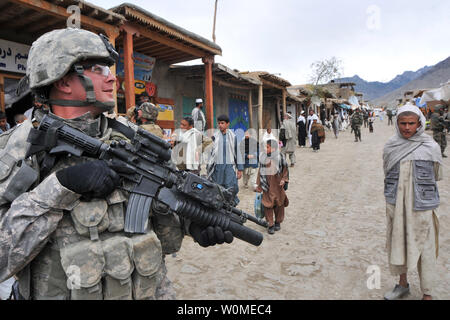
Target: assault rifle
146,163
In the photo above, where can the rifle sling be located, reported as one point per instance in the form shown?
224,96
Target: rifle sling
123,129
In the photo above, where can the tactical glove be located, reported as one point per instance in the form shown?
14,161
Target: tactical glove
93,178
209,236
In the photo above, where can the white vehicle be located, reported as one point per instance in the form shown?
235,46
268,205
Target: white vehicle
377,112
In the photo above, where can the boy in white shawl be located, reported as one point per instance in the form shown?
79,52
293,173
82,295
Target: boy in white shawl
191,143
412,165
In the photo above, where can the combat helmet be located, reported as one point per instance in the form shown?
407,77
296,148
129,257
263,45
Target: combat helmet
149,111
58,52
438,108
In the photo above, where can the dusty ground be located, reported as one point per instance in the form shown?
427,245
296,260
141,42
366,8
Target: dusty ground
335,228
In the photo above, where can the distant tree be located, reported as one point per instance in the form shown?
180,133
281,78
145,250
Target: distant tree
326,70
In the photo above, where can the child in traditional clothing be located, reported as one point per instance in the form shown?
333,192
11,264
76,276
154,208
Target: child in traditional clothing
371,124
271,180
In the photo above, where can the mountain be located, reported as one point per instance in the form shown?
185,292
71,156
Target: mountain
376,89
433,78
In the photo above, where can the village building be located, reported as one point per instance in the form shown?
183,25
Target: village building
23,21
272,99
150,50
154,44
147,44
233,93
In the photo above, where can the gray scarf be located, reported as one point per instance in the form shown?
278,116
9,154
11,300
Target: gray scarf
419,147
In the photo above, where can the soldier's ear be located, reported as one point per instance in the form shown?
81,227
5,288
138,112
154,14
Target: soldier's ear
63,85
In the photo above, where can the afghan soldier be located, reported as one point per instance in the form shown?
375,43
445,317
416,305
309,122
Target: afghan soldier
438,127
146,115
357,121
62,218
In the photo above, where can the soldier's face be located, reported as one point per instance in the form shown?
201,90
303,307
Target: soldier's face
70,88
408,125
103,81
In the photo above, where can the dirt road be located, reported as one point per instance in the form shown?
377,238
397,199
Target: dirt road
331,242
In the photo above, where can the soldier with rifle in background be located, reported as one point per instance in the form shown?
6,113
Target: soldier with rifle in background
357,121
438,125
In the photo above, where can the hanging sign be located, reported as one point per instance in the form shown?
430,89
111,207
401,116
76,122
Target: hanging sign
13,56
143,66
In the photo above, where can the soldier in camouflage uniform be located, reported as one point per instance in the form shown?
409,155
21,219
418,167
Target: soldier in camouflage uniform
357,121
438,126
147,113
62,226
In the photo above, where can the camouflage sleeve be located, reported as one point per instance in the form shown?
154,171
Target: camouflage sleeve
170,231
438,171
26,226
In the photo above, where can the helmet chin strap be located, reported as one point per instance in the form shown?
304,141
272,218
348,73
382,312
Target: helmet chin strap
91,100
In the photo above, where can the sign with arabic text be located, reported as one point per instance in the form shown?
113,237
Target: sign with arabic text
143,66
13,56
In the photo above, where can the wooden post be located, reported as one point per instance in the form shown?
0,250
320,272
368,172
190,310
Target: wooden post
260,107
2,93
250,109
130,99
283,94
280,121
112,38
208,61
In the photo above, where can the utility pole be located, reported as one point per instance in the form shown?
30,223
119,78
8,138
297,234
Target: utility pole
214,25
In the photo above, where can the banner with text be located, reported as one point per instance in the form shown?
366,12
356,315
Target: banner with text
13,56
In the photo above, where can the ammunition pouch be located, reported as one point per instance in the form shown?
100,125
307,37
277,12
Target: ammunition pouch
114,268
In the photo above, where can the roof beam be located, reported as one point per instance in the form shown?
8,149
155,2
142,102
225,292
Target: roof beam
271,84
146,44
223,83
57,11
169,42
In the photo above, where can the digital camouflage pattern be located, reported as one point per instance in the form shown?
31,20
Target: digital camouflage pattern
53,54
357,119
154,129
438,128
149,111
51,227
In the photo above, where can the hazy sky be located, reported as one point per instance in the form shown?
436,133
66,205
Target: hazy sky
375,39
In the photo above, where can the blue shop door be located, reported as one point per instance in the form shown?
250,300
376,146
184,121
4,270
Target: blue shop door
239,119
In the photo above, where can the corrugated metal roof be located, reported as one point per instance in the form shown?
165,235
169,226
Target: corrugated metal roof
148,19
269,77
